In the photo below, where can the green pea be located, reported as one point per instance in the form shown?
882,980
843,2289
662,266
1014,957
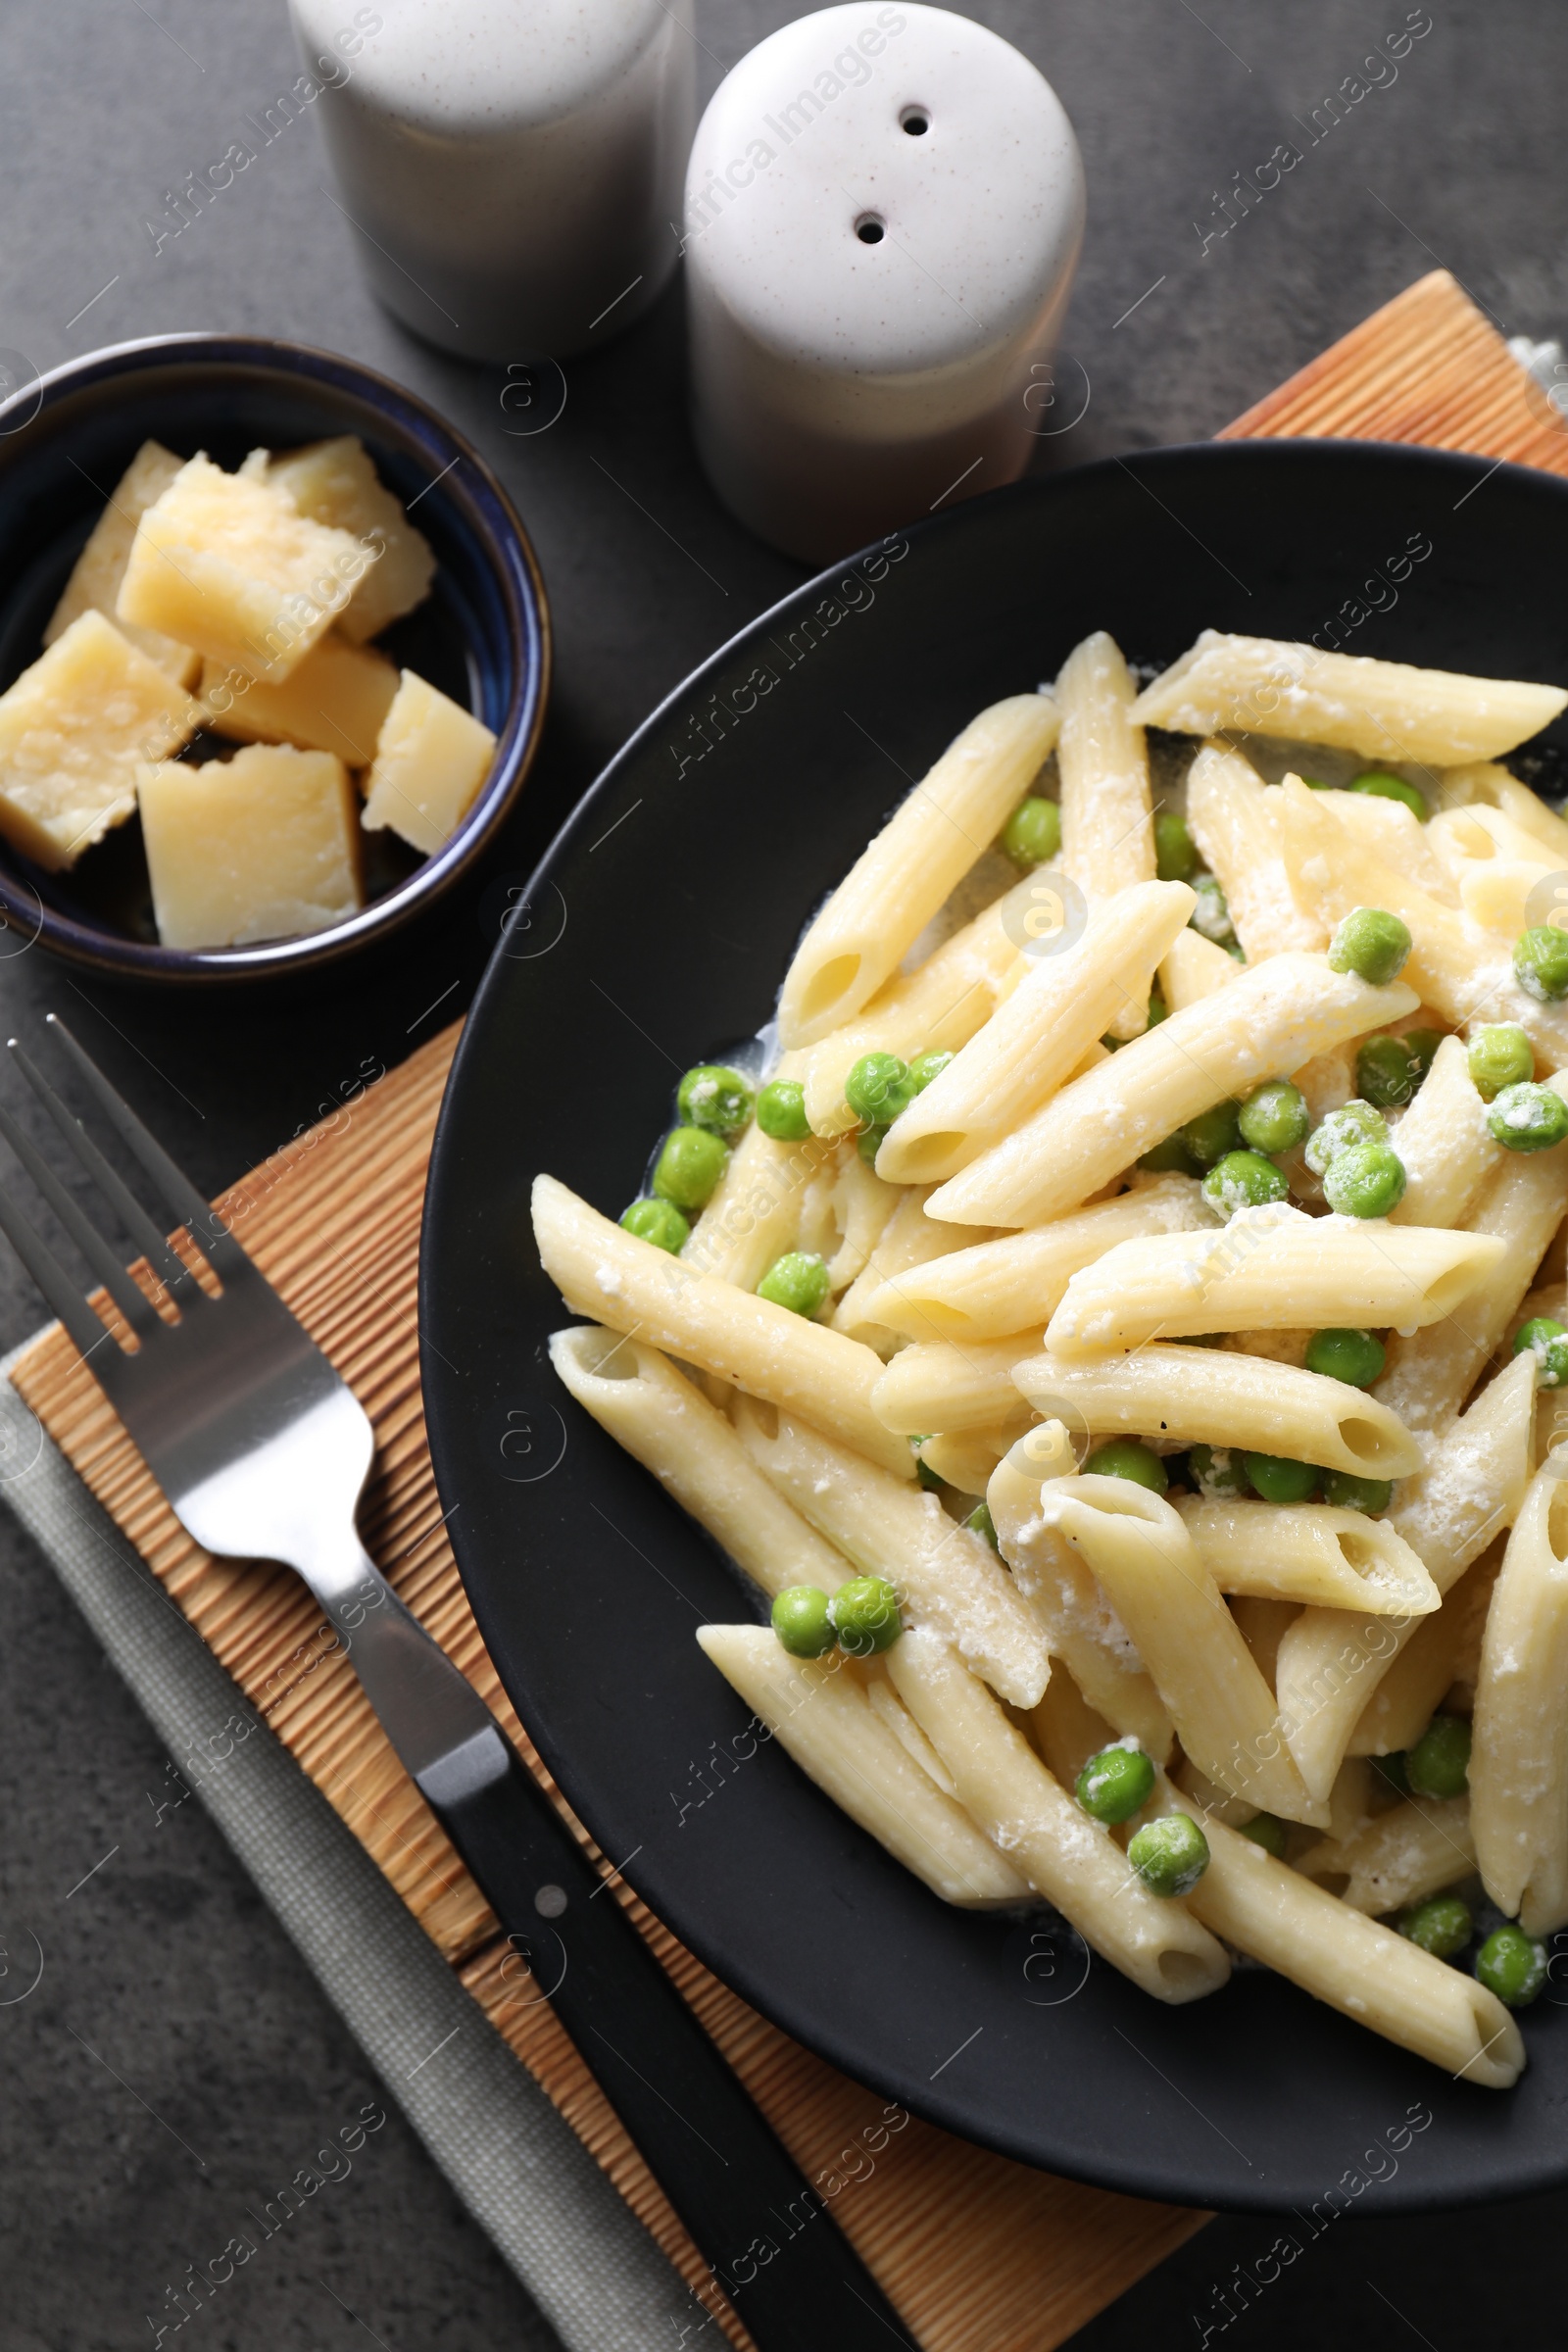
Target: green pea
1423,1044
980,1523
1170,1855
1354,1123
1540,963
1528,1118
1125,1457
1212,1134
1367,1181
1546,1342
803,1621
1347,1492
1032,834
1267,1831
1439,1764
660,1222
1274,1118
1386,1072
1216,1472
714,1097
1278,1480
1243,1180
1176,858
690,1166
869,1144
1513,1965
923,1068
797,1280
865,1615
1169,1158
1371,943
781,1110
1356,1358
1441,1926
1385,787
1116,1784
878,1088
1499,1055
1158,1010
1211,916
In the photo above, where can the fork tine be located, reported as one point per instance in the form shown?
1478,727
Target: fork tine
137,1223
129,1296
85,1327
182,1196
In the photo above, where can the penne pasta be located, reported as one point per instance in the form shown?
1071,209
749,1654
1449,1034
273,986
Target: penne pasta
1415,1849
1066,1729
1383,709
660,1418
1519,1759
753,1216
1484,785
1310,1552
907,1241
1154,1578
1194,968
611,1276
931,1387
1107,829
1038,1036
996,1287
1408,1695
1271,1267
820,1715
1268,1022
1262,1625
900,879
1395,834
967,1458
1212,1396
1233,817
945,1575
1443,1143
1070,1859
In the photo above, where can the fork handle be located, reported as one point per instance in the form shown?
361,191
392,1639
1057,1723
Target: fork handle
765,2234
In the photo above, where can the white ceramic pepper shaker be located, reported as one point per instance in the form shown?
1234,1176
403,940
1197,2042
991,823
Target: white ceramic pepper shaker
513,167
884,208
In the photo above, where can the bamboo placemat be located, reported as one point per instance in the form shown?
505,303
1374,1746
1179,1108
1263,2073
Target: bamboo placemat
979,2254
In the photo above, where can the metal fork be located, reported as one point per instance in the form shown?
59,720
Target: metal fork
262,1451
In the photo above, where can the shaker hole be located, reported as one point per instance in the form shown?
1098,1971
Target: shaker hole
870,229
915,120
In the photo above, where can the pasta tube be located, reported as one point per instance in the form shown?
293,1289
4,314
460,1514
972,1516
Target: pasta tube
1233,816
1270,1020
1154,1577
945,1574
967,1458
753,1216
1270,1268
1081,1627
900,880
1486,786
818,1711
1194,968
1107,828
1036,1036
996,1287
1383,709
953,1389
1067,1857
1519,1761
1408,1697
1066,1730
1396,835
907,1238
611,1276
672,1429
1399,1857
1310,1552
1443,1143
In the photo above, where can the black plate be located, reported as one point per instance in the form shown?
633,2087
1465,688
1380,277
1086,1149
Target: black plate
658,930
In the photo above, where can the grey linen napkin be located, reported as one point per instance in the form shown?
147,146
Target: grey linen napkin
518,2167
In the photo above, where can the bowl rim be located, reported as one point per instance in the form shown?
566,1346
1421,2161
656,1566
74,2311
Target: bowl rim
501,532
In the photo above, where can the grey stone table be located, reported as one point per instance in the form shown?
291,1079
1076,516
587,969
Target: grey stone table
208,2032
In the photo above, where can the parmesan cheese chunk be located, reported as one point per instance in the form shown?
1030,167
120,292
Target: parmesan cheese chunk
229,566
74,730
334,482
335,701
429,764
94,583
262,845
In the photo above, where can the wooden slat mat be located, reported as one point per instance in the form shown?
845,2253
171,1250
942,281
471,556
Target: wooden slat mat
979,2254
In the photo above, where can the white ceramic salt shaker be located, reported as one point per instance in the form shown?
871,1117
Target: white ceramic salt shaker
513,167
884,208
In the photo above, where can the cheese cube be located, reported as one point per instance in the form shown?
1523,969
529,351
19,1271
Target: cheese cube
336,482
229,566
429,764
335,701
94,583
74,730
262,845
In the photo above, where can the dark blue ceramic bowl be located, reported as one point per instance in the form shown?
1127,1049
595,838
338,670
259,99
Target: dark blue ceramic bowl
482,636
